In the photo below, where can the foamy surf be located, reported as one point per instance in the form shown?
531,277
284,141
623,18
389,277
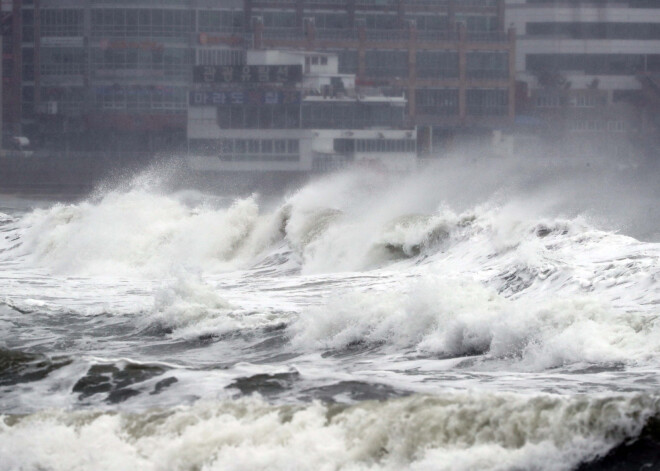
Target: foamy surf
358,323
454,431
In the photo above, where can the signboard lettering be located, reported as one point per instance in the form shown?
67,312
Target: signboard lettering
247,74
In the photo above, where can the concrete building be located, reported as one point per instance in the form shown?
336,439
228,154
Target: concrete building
452,59
582,64
292,111
114,76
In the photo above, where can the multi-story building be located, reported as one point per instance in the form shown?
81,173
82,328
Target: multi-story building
115,75
453,59
582,64
10,77
292,111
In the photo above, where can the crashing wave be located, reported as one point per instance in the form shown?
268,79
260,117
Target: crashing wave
457,318
454,431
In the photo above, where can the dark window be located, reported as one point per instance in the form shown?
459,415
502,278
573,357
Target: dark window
437,64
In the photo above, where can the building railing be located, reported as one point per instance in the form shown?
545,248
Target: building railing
487,36
387,34
283,33
384,35
337,34
437,35
438,3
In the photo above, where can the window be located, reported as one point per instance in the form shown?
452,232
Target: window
593,64
377,145
266,146
348,61
437,64
595,30
141,98
487,102
63,61
380,63
143,23
437,102
217,21
487,65
61,22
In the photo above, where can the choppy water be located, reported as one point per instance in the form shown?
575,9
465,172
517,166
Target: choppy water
359,323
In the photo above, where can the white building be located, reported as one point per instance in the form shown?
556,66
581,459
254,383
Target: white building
581,66
319,122
586,41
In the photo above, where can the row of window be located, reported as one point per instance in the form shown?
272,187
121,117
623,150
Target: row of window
61,22
168,62
220,57
437,64
319,115
594,64
593,125
352,115
259,158
141,22
630,3
348,146
149,22
577,30
259,117
244,146
444,102
579,101
172,62
437,102
487,102
141,98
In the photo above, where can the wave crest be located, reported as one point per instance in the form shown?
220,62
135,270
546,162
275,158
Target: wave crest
456,431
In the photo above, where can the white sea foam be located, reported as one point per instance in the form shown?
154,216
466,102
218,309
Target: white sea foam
191,307
135,232
454,431
457,317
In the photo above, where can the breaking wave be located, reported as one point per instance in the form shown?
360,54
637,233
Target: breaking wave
455,431
455,318
341,225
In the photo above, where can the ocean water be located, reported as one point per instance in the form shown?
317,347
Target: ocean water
483,316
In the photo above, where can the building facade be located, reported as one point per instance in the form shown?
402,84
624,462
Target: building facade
582,65
292,111
115,75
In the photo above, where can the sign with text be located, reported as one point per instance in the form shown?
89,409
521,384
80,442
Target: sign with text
245,97
247,73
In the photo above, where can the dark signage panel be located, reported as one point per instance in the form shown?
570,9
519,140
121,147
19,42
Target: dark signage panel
247,73
244,97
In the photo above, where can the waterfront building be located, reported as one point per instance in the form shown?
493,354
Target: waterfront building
586,68
292,111
108,75
452,59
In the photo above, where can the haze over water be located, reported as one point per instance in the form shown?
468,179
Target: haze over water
498,314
